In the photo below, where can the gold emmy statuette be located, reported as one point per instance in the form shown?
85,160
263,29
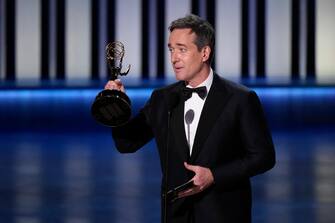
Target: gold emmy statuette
113,107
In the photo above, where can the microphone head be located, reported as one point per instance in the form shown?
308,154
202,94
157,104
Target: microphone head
173,100
189,116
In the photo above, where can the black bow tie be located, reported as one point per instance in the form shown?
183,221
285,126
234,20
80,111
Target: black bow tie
201,91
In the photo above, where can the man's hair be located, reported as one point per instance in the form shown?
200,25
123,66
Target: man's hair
204,31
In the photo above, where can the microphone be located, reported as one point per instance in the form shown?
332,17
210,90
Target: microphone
189,116
173,101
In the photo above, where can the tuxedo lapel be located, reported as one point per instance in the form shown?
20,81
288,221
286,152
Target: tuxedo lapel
178,130
215,102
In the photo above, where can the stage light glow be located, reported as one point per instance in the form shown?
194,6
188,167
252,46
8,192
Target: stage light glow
145,92
64,93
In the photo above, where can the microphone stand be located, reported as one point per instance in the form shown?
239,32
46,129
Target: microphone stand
172,103
167,166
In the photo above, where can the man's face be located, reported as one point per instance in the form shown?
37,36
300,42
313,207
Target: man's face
186,60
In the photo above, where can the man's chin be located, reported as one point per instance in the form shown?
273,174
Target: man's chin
180,77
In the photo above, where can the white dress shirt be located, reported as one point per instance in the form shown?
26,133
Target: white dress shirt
196,104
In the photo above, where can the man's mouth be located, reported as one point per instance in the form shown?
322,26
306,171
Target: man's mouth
177,68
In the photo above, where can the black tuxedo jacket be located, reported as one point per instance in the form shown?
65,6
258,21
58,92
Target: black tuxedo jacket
232,139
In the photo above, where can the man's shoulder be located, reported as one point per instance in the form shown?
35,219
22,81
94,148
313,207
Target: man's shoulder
232,86
168,89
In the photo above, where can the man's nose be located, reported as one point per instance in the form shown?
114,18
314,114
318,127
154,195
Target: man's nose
174,57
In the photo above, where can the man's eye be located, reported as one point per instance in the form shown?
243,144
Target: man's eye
170,49
183,50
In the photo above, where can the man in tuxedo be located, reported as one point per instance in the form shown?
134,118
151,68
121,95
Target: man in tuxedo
213,130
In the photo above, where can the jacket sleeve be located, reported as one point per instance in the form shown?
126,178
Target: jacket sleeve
258,150
134,134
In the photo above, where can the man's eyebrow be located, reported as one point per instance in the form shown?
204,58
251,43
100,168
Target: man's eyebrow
178,44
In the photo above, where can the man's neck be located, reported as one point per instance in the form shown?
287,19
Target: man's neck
201,77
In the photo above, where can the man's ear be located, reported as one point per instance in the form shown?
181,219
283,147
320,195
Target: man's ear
206,51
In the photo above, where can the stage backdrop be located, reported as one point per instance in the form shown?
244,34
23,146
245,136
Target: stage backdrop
65,39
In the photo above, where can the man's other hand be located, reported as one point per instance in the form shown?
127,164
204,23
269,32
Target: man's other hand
202,179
